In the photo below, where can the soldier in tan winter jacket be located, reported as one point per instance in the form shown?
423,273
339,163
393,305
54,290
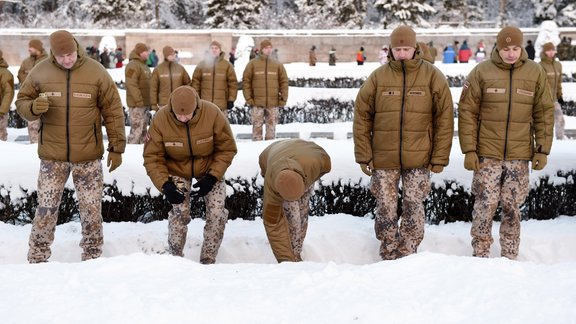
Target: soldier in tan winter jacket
265,88
403,128
505,121
166,77
137,75
290,168
6,96
74,96
214,79
37,54
553,69
190,140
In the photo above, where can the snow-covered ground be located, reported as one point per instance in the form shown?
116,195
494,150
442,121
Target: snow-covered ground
341,281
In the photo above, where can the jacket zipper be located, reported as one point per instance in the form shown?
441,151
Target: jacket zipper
170,76
266,79
190,148
68,115
402,110
213,79
509,111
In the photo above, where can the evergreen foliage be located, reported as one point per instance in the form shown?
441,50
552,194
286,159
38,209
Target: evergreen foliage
448,202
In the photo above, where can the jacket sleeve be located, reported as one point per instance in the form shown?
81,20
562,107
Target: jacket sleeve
155,157
232,84
224,147
132,85
278,231
468,113
283,85
247,84
543,115
197,79
443,114
363,122
185,77
113,113
559,82
7,86
26,95
154,88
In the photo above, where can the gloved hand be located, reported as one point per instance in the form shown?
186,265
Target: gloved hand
471,161
173,195
230,105
114,160
40,105
539,161
561,101
203,186
436,168
367,168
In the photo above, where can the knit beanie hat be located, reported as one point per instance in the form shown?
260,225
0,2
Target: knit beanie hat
140,47
403,36
167,51
37,44
509,35
62,42
265,43
215,43
548,47
183,100
289,185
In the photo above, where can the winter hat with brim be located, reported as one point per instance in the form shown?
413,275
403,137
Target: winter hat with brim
403,36
167,51
265,43
217,44
183,100
508,36
548,47
140,48
62,43
36,44
289,185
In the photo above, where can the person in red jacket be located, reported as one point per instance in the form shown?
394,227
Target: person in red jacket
464,53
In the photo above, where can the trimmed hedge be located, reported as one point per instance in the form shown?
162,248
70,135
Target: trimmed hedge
449,202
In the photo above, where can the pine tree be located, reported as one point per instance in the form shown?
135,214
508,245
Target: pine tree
350,13
234,14
397,12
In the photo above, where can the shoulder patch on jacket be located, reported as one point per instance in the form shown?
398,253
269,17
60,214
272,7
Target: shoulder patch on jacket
496,90
525,92
465,88
129,73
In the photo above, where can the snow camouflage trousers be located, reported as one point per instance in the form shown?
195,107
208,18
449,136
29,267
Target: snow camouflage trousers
216,218
33,130
398,240
558,121
259,115
138,124
498,181
88,182
296,213
3,127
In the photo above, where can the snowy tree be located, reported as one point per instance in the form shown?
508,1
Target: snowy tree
316,14
544,10
567,14
120,13
234,14
461,12
350,13
409,12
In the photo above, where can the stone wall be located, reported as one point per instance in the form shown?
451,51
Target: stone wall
292,45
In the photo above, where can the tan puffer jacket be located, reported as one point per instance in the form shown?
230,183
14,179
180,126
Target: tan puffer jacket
166,77
137,75
403,116
80,100
6,87
309,160
553,71
265,83
28,64
190,150
506,111
215,80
